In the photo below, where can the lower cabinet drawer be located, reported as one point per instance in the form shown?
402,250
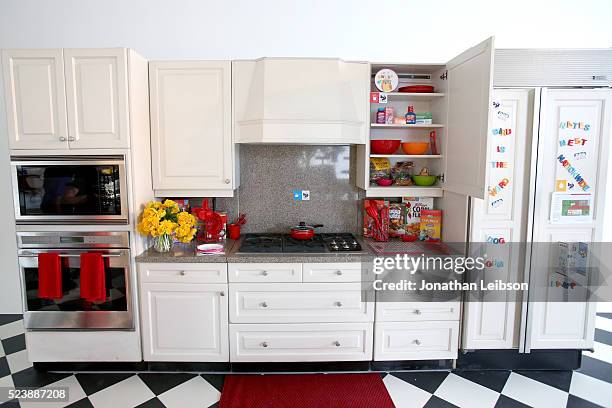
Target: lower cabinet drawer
265,272
301,342
416,340
183,272
416,311
299,303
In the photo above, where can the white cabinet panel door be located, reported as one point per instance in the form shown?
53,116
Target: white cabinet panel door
97,98
573,156
184,322
191,121
470,80
415,340
35,99
499,221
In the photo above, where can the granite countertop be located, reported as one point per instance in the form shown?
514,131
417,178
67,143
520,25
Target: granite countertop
187,253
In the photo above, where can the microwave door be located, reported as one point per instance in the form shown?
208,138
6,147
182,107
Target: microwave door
69,191
71,311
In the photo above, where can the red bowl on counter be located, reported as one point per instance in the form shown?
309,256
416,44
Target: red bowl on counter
385,146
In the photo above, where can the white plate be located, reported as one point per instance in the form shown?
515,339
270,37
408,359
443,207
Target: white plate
210,248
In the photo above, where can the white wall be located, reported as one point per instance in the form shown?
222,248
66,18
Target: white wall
381,30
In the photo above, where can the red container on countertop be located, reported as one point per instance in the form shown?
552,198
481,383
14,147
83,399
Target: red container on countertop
233,231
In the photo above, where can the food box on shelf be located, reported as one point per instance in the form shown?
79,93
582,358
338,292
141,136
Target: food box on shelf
414,206
431,225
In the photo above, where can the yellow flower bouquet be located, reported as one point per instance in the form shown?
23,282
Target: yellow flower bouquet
165,222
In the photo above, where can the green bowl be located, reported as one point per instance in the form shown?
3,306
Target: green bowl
424,180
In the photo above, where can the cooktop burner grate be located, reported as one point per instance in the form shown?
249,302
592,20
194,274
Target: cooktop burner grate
282,243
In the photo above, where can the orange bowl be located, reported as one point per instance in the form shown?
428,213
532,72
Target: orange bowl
415,147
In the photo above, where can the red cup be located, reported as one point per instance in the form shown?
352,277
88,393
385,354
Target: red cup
233,231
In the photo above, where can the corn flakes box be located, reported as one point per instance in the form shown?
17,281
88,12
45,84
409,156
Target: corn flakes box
413,207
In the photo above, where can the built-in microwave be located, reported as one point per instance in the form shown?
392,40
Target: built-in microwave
69,189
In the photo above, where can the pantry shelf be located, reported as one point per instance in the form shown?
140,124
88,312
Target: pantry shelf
408,191
411,96
389,126
410,156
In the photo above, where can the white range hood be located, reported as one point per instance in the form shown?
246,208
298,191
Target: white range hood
301,101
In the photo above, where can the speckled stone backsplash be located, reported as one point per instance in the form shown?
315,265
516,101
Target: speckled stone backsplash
270,173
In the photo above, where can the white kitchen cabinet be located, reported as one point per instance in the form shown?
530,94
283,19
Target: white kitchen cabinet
301,342
460,110
97,98
299,303
416,340
191,129
265,272
35,99
61,99
184,322
499,224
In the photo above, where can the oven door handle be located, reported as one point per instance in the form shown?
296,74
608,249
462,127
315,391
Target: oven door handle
31,255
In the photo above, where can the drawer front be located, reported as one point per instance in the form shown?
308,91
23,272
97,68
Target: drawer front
301,342
299,303
265,272
415,340
416,311
183,272
332,272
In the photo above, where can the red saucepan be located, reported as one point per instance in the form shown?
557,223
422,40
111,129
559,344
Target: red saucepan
304,231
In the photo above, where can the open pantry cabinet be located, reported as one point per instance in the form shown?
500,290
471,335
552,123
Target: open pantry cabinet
460,113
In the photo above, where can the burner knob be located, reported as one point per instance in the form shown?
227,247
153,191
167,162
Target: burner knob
333,242
335,247
345,246
354,243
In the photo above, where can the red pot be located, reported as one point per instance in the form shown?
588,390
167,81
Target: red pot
303,231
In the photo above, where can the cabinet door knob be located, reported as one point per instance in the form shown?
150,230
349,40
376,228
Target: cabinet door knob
417,311
264,273
264,304
417,342
339,304
222,293
337,343
227,181
71,139
183,273
62,139
264,344
339,273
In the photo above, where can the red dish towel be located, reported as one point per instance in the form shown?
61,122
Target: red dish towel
49,276
305,391
93,277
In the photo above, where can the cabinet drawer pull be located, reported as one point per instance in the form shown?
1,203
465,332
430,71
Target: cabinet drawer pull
264,344
264,304
339,304
62,139
222,293
227,181
71,139
417,311
417,342
183,273
337,343
264,273
339,273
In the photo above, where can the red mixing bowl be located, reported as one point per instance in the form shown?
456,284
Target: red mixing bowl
386,146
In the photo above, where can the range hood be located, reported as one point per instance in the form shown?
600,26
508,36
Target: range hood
300,101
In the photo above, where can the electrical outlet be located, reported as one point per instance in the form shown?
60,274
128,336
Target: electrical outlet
306,195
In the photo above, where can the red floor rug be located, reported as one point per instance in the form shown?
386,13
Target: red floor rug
305,391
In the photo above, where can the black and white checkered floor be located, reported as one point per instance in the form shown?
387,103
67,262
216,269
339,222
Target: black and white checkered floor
591,386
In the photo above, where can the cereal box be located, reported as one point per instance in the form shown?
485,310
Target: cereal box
397,219
431,225
413,208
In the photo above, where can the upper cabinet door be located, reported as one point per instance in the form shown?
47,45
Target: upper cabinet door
97,94
470,80
35,99
191,137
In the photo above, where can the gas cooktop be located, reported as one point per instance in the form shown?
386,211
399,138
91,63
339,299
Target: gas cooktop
283,243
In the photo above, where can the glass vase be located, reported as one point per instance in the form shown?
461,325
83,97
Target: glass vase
163,243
